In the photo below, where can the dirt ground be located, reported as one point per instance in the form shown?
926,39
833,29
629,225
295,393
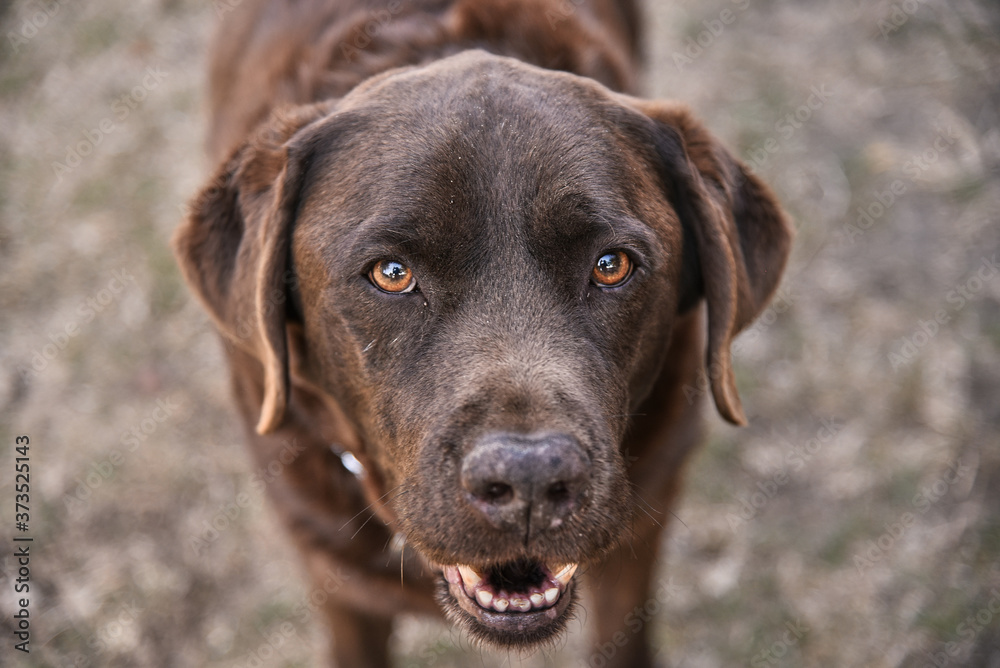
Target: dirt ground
853,523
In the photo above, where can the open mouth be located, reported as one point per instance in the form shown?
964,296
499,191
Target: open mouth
516,603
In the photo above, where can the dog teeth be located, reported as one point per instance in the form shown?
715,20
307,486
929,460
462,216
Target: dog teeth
485,598
565,574
520,604
478,588
471,578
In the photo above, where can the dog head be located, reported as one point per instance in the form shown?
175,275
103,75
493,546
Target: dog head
482,262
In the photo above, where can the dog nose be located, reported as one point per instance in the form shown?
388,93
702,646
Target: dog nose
526,482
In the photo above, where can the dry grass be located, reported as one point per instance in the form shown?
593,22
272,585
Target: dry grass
874,531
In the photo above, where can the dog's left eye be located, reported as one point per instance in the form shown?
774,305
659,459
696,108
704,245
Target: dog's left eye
612,269
392,276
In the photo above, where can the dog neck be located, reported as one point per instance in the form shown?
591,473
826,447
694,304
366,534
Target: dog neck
297,58
370,42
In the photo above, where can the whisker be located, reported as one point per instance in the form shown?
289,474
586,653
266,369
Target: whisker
374,513
638,495
648,504
631,542
369,506
633,536
387,547
650,516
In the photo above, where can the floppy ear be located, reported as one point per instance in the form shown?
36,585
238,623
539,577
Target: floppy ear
234,245
741,234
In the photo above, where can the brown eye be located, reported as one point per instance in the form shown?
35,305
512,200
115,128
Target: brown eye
612,269
392,276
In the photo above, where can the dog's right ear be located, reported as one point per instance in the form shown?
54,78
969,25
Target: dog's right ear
234,245
741,234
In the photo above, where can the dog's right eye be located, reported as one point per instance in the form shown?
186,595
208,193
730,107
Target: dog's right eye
392,276
612,269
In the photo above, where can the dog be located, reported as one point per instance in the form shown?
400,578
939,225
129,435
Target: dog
476,287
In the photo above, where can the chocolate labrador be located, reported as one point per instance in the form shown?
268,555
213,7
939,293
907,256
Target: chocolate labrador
474,285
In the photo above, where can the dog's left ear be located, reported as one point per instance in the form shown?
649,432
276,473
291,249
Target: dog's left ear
743,237
234,246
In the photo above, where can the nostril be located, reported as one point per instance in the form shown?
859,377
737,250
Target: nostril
498,493
558,493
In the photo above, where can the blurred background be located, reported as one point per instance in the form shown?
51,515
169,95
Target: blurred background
853,523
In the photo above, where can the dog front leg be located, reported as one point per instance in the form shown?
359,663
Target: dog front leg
622,604
359,640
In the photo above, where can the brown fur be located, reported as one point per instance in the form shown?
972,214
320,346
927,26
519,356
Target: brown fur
500,183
